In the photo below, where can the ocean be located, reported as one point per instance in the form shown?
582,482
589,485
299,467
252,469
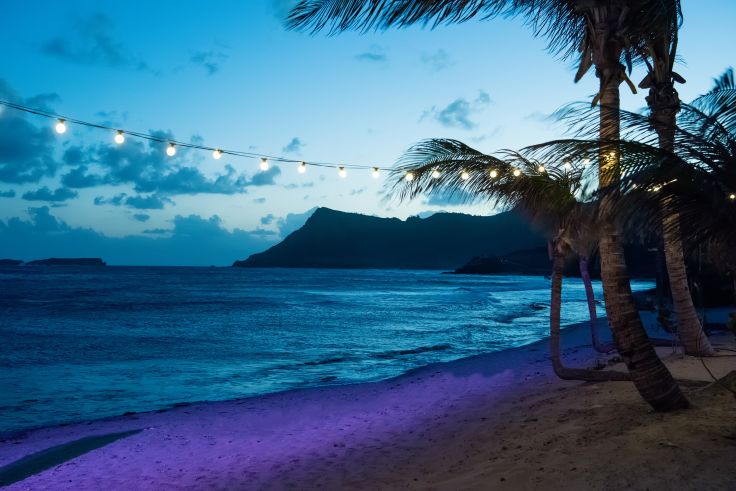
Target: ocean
83,343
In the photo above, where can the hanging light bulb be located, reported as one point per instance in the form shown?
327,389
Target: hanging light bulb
264,164
464,176
171,150
435,174
732,196
540,169
217,154
376,173
302,167
586,162
567,165
342,172
409,176
119,138
517,172
61,127
494,173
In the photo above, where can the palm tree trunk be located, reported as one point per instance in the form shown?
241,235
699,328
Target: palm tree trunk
558,263
650,376
664,103
590,297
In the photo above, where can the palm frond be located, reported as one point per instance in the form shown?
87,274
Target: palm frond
363,15
569,25
552,195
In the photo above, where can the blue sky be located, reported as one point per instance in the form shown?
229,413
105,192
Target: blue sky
229,75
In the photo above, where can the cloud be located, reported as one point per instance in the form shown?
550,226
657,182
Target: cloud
294,146
266,177
268,219
79,178
259,200
145,166
26,151
141,217
192,240
94,44
291,222
439,60
7,194
156,231
45,194
375,54
139,202
210,60
457,114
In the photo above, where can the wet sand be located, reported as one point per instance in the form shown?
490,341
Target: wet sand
495,421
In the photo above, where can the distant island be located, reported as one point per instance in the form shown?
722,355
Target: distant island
10,262
335,239
68,261
640,260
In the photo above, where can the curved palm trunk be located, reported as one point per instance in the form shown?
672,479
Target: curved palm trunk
650,376
590,298
664,103
558,263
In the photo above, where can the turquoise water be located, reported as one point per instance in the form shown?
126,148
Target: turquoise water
84,343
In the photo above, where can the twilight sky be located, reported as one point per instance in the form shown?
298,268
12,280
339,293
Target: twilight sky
226,73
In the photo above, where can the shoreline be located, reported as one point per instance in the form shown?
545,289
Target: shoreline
584,325
400,432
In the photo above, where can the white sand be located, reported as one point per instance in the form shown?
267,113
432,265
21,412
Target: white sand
497,421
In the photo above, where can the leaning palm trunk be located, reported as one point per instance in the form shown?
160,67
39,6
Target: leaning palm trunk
590,298
664,103
565,373
650,376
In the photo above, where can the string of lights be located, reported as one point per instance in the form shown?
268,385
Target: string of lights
120,135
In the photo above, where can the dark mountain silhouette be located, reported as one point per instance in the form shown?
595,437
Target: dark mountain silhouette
335,239
640,260
10,262
68,261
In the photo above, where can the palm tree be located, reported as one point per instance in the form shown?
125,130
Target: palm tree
697,175
664,104
605,33
549,195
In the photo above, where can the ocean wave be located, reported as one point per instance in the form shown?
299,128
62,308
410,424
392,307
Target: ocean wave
412,351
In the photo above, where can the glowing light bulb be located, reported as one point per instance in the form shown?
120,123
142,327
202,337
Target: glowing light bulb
264,164
171,150
435,174
586,161
217,154
409,176
494,174
464,176
567,165
541,169
517,172
302,167
342,172
61,127
119,138
732,196
376,173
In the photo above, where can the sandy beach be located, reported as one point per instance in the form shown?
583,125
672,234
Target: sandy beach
496,421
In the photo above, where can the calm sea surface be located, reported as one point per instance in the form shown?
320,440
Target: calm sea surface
83,343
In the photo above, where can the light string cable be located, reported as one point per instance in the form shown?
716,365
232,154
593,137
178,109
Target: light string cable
217,152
